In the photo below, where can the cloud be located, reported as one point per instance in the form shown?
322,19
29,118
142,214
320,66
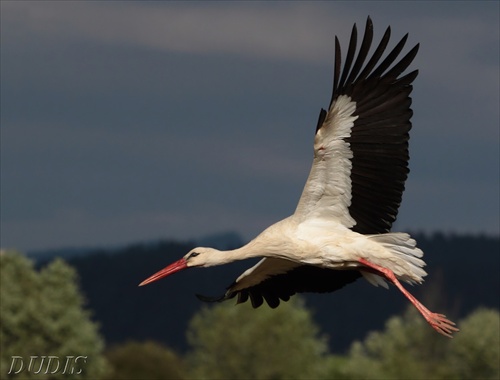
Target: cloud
287,31
456,46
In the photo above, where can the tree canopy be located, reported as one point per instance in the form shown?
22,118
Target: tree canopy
144,360
42,314
238,342
408,349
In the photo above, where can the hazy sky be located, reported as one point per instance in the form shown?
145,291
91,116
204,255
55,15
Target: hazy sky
126,121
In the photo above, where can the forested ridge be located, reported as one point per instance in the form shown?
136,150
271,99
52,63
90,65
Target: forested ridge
463,275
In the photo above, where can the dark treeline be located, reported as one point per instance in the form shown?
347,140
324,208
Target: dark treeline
463,274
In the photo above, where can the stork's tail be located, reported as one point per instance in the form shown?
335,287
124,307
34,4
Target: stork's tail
408,265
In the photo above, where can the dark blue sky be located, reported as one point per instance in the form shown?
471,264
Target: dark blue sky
126,121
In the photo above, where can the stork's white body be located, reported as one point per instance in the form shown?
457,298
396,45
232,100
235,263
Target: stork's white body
328,245
291,243
341,227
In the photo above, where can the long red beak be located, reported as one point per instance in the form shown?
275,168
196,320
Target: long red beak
172,268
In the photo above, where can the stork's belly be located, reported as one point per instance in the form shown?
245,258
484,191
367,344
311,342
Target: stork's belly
342,265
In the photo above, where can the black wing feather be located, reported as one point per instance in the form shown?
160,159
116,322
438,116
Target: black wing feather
376,55
379,137
305,278
363,52
351,51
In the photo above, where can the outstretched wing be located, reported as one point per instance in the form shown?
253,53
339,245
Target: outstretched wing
359,169
277,279
361,145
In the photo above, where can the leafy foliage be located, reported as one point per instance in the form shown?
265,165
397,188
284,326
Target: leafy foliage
147,360
476,351
42,314
231,342
409,349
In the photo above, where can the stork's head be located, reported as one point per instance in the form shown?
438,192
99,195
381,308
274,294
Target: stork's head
197,257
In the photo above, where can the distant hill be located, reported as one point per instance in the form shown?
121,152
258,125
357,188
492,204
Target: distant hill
463,274
221,240
64,253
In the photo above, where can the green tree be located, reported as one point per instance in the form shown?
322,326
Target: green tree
42,314
409,349
238,342
475,353
147,360
406,349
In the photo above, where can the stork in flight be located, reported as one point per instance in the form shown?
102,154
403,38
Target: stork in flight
340,230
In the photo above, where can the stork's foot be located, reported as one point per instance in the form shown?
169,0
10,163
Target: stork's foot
440,323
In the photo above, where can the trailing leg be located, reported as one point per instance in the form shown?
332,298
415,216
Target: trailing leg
438,322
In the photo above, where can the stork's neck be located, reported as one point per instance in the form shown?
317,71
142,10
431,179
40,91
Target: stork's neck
248,251
270,243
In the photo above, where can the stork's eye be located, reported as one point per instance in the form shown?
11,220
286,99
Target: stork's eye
194,254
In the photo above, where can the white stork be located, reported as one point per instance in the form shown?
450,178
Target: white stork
340,230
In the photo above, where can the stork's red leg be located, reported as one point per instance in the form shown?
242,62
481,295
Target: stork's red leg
438,322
